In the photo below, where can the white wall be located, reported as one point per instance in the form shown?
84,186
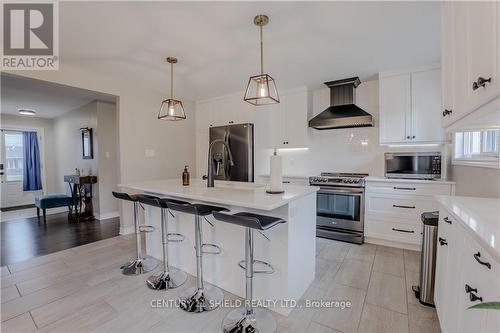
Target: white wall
107,157
138,126
476,182
47,143
68,144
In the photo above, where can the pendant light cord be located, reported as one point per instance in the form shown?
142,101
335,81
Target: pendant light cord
171,80
261,51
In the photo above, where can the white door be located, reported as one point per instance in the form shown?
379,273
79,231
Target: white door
394,108
12,160
426,106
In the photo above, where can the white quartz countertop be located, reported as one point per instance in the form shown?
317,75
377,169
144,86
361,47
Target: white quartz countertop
479,216
247,195
414,181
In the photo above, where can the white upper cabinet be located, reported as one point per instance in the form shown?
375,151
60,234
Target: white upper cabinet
470,56
394,108
287,121
282,125
425,106
410,107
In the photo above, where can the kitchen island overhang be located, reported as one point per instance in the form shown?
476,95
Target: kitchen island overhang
290,247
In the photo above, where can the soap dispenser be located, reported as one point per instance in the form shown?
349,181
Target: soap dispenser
185,176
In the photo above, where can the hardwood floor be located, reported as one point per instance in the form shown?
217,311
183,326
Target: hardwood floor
27,238
82,290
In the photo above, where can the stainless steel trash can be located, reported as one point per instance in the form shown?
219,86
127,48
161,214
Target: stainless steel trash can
425,291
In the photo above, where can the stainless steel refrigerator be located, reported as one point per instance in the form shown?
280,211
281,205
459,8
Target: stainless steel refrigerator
239,137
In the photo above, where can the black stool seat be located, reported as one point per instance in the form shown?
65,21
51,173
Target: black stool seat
250,220
164,203
195,209
126,196
149,200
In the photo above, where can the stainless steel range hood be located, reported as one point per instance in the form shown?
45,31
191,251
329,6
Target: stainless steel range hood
343,112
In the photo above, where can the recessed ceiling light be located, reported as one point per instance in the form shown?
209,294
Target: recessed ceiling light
27,112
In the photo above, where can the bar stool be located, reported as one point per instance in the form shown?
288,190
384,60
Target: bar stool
140,264
248,318
169,278
200,298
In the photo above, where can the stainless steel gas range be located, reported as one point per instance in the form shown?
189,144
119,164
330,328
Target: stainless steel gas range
340,206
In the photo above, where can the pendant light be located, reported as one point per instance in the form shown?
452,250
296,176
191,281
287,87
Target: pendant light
261,89
171,109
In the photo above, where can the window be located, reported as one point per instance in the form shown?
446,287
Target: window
479,147
13,156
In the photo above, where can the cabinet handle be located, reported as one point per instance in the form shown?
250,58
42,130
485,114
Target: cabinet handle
447,112
473,297
413,137
408,137
404,188
481,82
477,256
402,230
403,206
469,289
442,241
447,220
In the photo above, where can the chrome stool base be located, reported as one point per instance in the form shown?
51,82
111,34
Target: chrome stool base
139,266
194,300
237,321
167,280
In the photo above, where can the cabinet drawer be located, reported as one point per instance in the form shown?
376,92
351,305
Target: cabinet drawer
397,206
393,230
404,188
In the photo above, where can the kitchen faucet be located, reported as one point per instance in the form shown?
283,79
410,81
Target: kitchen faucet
210,177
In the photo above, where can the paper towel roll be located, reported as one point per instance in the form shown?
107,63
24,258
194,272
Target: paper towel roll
276,173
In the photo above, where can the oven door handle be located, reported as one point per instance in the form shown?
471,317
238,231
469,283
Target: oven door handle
325,191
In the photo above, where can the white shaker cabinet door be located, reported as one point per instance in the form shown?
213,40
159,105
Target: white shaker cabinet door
426,106
447,61
483,45
394,108
294,117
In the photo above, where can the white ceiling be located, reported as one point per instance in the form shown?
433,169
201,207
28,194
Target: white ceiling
306,43
48,99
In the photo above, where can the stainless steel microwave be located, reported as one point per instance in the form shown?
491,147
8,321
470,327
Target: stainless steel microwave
420,165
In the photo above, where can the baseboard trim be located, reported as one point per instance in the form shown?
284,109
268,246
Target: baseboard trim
106,216
385,242
126,230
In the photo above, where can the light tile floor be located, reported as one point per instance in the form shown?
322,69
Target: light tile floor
82,290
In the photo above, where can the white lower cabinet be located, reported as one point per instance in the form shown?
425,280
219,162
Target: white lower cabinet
466,275
393,209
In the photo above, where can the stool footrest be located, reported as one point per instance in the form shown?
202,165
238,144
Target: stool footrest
270,269
175,237
146,228
216,248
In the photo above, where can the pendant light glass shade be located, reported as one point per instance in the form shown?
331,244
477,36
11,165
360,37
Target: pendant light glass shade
171,109
261,89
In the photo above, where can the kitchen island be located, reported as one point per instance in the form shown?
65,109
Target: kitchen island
289,247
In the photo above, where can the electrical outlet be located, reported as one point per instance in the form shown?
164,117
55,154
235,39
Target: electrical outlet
149,152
